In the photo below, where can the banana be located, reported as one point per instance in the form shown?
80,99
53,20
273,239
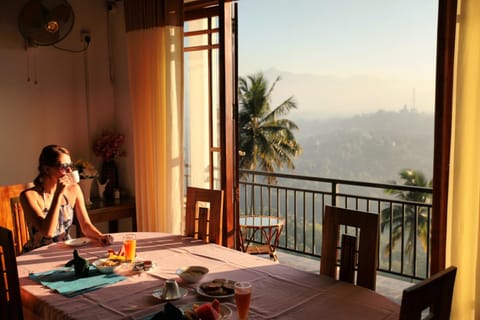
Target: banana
116,257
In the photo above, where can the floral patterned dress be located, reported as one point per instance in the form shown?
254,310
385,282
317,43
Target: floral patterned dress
62,233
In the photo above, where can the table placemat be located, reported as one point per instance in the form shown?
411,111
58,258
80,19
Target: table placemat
65,282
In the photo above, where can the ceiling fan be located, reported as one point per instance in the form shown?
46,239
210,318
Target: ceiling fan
45,22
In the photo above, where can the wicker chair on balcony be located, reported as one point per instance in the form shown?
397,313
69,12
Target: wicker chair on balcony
430,298
361,262
203,214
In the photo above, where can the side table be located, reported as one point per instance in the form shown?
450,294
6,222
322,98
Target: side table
270,228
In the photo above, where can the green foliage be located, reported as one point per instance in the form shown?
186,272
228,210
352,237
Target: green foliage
405,219
266,139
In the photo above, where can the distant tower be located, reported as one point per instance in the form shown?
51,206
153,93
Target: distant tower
413,99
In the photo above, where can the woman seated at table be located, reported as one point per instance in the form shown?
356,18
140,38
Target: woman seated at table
49,206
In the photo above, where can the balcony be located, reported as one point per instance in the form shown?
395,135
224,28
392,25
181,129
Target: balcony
404,248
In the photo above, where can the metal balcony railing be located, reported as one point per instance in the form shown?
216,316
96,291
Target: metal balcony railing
404,244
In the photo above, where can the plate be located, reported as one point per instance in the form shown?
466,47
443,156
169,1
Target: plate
158,294
225,311
201,292
78,242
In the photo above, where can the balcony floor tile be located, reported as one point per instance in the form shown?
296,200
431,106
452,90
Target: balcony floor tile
386,285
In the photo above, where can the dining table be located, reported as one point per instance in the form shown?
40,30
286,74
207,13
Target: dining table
279,291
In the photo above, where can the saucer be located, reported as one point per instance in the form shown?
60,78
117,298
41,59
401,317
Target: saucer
158,294
78,242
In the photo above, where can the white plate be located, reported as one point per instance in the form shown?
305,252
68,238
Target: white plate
201,292
225,311
77,242
158,294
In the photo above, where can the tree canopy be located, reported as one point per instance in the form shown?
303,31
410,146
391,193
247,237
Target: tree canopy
266,139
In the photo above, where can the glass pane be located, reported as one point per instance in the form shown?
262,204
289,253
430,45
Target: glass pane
202,110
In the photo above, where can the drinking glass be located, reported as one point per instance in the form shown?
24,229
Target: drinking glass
130,245
243,294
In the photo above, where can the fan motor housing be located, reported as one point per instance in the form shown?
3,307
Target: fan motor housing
45,22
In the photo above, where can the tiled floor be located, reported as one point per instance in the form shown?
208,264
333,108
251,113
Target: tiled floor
386,285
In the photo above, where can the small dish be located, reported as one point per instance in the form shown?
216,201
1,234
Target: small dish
192,274
78,242
106,265
159,292
225,311
142,265
222,294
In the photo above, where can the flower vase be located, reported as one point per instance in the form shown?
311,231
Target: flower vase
109,172
86,186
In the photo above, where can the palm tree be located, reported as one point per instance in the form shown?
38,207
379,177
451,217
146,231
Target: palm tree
405,220
266,140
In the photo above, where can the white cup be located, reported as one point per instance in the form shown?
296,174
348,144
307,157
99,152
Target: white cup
73,176
171,290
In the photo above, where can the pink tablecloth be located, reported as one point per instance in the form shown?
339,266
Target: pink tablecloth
279,292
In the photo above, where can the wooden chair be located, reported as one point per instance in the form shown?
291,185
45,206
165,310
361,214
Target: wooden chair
362,261
203,214
15,219
430,298
10,298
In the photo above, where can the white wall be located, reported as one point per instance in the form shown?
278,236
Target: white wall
55,109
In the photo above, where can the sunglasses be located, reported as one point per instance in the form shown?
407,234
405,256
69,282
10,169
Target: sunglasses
65,166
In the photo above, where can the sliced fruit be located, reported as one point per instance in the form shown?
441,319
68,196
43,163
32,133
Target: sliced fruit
207,312
216,305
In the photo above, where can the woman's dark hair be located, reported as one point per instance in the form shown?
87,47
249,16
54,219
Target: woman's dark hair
48,158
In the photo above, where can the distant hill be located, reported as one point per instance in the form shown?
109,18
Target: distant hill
370,147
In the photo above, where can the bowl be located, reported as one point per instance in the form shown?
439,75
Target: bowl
192,274
106,265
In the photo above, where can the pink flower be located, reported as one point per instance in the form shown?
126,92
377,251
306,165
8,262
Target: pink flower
109,146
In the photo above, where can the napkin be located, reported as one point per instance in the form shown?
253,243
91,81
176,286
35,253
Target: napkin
65,282
169,312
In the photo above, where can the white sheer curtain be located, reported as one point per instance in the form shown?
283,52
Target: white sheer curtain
463,236
155,62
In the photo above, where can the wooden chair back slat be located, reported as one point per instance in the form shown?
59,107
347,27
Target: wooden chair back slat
10,297
364,260
203,214
347,258
430,298
22,235
12,216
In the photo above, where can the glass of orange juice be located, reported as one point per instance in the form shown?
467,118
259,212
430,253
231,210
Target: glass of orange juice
243,294
130,245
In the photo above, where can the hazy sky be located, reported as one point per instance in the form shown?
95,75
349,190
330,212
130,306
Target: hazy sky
342,56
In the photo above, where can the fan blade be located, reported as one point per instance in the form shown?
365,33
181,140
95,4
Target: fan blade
62,13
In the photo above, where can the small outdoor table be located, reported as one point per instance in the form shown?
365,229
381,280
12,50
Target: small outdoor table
270,228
